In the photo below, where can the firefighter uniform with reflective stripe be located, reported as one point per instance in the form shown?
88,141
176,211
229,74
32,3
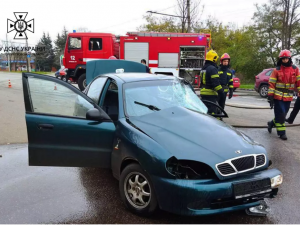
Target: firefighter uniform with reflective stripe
226,82
210,83
295,111
282,84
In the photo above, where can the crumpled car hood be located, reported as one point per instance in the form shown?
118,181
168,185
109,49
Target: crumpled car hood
195,136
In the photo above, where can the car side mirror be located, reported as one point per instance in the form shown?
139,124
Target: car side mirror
96,115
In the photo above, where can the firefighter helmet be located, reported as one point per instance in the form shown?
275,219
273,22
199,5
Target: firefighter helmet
112,57
285,54
225,56
211,55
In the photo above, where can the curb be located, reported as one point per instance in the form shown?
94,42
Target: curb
246,126
249,106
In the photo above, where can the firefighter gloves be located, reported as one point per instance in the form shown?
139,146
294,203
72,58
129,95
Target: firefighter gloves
271,101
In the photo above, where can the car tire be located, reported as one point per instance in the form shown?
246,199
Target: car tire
82,82
135,184
263,91
64,79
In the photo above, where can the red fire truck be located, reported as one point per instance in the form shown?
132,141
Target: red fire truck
176,54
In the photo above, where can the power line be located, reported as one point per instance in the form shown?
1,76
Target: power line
161,10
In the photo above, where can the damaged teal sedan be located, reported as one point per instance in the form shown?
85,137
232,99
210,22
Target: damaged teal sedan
156,136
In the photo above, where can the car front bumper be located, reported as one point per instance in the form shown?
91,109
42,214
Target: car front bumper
206,197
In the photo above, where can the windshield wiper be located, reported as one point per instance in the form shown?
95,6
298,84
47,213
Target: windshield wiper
151,107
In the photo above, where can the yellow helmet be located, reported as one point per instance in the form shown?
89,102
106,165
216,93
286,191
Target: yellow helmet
211,55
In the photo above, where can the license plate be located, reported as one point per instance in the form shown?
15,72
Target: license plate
250,188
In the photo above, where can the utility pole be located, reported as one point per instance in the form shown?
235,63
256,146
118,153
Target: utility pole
28,59
189,15
8,59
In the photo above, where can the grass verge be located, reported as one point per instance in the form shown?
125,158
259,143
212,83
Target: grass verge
247,86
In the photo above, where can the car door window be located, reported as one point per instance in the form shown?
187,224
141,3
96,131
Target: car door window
269,73
95,44
48,97
95,89
75,43
111,101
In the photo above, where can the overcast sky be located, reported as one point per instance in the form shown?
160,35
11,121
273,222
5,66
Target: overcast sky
111,16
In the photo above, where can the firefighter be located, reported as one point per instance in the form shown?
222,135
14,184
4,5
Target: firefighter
210,81
296,109
225,79
282,83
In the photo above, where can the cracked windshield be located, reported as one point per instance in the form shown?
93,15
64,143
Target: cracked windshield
149,96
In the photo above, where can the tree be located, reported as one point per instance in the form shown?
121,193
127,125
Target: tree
243,46
45,59
164,24
59,48
277,26
182,11
174,24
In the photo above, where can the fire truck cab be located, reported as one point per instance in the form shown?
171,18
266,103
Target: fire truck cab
175,54
82,47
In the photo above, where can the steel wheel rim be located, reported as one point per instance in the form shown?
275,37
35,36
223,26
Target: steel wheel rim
137,190
84,83
264,91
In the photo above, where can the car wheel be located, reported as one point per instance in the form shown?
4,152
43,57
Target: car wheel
82,82
64,78
263,90
137,191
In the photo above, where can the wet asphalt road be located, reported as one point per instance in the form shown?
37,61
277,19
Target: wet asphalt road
90,195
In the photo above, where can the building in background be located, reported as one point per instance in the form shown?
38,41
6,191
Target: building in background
15,64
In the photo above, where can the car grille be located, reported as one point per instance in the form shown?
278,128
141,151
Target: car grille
241,164
244,163
260,160
226,168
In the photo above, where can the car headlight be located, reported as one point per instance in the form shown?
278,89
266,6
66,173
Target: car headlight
188,169
276,181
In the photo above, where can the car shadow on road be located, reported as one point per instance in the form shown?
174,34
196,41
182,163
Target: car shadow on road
105,205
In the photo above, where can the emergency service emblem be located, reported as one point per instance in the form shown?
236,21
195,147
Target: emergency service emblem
20,25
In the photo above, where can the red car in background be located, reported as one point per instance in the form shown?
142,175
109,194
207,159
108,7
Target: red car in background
236,82
262,82
61,74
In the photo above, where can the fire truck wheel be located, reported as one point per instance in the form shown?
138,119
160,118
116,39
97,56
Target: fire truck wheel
82,82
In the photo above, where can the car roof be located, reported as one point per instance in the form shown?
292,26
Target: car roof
268,69
134,77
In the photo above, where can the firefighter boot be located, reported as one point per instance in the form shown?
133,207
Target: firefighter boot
288,121
283,137
270,126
